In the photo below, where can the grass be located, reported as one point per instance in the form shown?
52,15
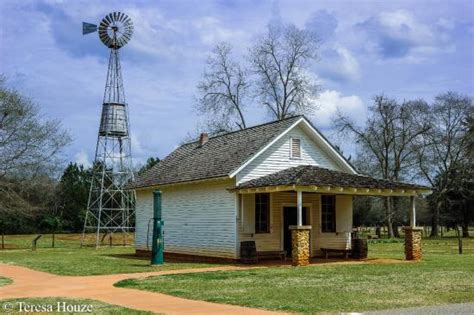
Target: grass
97,307
72,240
4,281
69,259
442,277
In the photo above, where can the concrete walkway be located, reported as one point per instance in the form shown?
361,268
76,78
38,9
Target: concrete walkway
31,283
452,309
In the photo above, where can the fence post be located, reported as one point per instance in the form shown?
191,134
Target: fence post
34,242
458,230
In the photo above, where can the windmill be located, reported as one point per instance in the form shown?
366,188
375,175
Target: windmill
110,206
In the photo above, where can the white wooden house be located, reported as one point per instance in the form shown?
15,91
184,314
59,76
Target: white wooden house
254,184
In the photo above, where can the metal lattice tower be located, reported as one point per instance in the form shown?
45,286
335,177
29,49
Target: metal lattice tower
111,207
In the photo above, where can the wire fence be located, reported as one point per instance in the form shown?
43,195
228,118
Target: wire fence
63,240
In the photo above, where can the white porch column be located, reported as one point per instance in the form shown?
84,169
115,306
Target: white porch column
412,212
299,208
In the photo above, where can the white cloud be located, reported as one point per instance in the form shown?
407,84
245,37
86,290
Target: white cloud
82,158
137,147
446,23
331,101
403,36
339,64
348,63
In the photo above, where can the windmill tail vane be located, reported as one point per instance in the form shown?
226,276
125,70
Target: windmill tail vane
88,28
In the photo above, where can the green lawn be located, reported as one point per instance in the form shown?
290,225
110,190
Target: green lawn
97,307
69,259
73,240
4,281
442,277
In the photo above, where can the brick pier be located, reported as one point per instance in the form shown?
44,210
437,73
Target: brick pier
300,238
412,243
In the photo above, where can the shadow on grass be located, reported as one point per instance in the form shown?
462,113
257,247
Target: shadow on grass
126,256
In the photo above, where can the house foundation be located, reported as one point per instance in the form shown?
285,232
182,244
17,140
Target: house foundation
300,244
412,243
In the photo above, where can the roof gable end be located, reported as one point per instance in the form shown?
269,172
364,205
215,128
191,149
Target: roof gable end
315,135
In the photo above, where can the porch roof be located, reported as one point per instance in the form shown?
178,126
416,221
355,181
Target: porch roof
316,179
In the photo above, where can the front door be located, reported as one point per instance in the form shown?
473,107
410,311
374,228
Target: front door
289,218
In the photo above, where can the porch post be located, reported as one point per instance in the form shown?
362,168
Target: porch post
412,235
299,208
412,212
300,237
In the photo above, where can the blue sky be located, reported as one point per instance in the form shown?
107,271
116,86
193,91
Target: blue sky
405,49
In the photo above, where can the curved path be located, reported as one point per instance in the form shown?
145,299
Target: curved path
31,283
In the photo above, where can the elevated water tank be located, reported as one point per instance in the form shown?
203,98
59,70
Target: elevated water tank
113,121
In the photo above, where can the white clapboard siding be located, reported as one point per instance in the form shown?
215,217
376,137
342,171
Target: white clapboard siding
274,239
342,238
248,213
278,157
143,213
199,219
338,241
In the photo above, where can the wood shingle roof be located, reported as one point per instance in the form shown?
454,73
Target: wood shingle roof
308,175
216,158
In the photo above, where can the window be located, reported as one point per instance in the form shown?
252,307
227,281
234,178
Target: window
295,148
328,214
262,213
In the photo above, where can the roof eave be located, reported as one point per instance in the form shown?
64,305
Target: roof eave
197,181
339,190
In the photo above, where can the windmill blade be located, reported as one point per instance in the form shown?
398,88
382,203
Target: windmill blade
108,17
88,28
122,16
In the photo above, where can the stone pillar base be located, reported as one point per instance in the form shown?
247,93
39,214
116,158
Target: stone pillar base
412,243
300,239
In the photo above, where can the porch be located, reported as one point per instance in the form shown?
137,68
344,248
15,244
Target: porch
303,209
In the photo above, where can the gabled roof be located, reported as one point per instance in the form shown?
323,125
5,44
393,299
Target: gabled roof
308,175
218,157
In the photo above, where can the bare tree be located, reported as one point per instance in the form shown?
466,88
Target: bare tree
222,91
388,139
443,148
29,147
279,59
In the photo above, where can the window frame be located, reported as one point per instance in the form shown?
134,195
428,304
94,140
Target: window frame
258,210
324,214
292,156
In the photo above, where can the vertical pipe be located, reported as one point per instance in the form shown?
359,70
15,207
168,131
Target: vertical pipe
157,257
412,212
299,210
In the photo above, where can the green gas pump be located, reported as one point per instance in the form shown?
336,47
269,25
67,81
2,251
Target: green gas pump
158,244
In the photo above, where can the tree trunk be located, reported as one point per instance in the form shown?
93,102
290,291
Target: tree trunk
388,216
395,202
467,210
435,222
3,240
458,232
52,242
396,233
465,230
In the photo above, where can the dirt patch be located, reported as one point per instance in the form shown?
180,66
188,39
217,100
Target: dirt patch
10,246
